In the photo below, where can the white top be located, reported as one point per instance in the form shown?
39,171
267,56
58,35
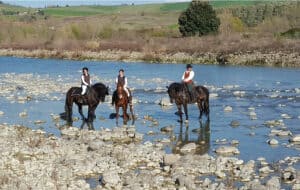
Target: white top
191,76
84,82
125,81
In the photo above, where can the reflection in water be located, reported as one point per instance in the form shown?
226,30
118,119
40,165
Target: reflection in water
202,141
89,124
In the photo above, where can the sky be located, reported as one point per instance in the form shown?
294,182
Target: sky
45,3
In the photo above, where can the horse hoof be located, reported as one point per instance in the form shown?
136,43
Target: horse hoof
180,121
186,121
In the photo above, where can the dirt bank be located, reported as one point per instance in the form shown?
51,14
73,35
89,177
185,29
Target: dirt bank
279,59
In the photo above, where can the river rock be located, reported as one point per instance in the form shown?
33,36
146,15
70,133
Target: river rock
239,93
227,150
286,116
280,132
228,109
1,113
170,159
165,101
213,95
235,123
289,174
167,129
38,122
111,178
265,170
23,114
273,123
295,138
273,183
273,142
188,148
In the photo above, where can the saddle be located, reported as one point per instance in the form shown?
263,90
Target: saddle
81,98
191,93
114,96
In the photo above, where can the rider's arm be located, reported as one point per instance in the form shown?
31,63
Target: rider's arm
125,83
182,78
83,81
116,81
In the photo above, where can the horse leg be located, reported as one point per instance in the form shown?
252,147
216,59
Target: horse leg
206,105
125,115
180,112
186,112
91,113
80,111
117,114
131,111
200,106
69,111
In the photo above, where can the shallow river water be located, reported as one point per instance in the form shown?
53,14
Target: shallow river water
33,90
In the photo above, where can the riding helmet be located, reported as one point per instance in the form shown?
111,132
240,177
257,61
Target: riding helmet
189,66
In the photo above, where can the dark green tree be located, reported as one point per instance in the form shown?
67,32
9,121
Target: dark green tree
199,19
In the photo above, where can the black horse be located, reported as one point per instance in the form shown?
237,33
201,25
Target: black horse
94,96
178,92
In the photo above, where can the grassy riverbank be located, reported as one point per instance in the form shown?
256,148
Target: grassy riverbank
151,31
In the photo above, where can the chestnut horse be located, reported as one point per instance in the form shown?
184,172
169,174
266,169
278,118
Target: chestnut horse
94,96
120,99
179,93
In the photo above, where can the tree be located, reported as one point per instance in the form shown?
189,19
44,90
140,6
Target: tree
199,19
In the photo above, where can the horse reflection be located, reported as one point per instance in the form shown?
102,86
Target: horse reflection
202,141
89,124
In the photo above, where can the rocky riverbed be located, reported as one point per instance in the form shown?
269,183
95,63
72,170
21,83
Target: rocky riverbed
279,59
117,159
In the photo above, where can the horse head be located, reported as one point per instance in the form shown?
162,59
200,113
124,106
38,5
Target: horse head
101,91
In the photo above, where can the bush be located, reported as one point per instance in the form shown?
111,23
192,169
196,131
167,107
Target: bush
293,33
199,19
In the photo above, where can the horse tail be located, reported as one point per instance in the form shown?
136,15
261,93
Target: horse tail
68,106
113,98
172,93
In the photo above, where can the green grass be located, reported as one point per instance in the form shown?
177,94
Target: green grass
121,9
74,11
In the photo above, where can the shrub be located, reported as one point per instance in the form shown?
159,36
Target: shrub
199,19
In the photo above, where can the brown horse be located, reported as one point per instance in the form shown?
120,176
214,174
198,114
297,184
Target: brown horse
94,96
120,99
179,93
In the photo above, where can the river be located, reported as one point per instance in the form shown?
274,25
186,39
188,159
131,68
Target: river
34,89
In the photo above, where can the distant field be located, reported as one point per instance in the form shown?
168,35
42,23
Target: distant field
124,9
134,9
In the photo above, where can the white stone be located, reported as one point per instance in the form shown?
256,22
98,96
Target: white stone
23,114
273,142
228,109
111,177
165,101
295,138
1,113
227,150
188,148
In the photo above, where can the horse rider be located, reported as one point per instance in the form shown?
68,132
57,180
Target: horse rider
187,79
85,80
122,80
